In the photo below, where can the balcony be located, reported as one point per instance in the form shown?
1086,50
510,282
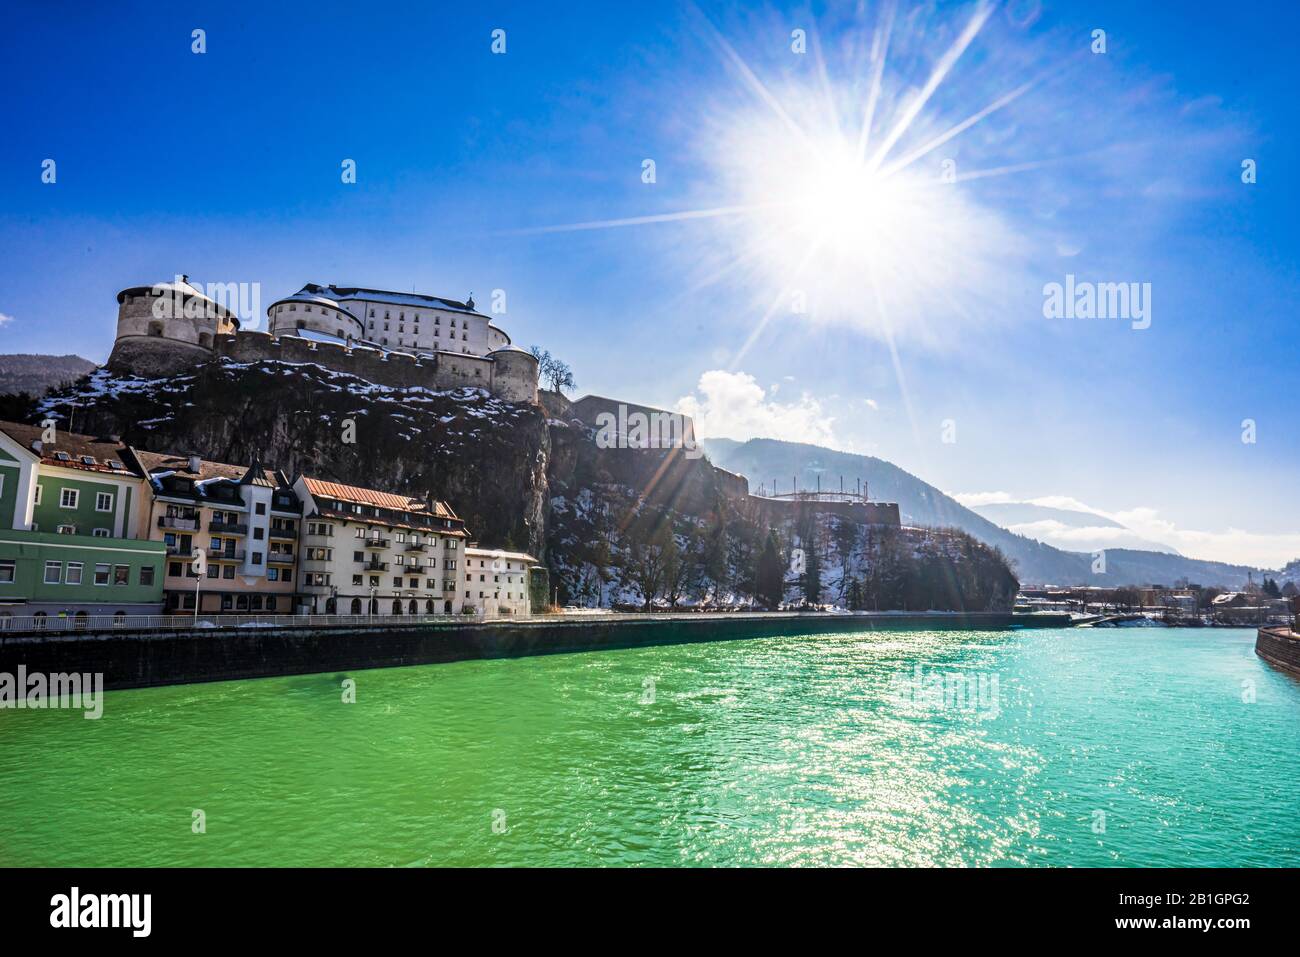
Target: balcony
288,534
228,528
279,558
375,542
178,522
180,551
226,555
373,565
416,546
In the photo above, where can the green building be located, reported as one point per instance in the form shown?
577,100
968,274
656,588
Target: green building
73,535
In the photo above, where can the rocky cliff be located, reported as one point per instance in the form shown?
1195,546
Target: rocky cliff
613,525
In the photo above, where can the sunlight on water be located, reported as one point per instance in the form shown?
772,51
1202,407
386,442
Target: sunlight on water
813,750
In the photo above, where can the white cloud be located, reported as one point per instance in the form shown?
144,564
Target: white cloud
5,319
733,405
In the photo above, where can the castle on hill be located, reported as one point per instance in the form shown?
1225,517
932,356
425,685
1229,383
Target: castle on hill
390,338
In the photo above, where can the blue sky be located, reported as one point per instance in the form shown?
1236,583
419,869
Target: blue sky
1118,166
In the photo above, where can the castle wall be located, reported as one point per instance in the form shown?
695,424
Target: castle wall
511,375
162,343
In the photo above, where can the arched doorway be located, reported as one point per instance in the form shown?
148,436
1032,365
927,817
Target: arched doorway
374,606
331,606
413,607
397,606
448,608
430,607
356,606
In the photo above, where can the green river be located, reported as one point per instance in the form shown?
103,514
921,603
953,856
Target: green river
1123,747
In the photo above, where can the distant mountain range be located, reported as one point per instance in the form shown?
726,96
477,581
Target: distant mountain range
762,460
36,375
1067,528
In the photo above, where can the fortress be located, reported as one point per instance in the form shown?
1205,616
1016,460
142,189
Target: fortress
396,339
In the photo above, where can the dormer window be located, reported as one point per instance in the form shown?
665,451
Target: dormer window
63,456
87,460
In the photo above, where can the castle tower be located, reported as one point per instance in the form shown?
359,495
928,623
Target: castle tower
166,328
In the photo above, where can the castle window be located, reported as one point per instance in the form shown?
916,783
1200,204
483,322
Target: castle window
293,308
306,308
155,328
372,315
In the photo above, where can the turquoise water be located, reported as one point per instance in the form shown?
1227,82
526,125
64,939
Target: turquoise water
801,750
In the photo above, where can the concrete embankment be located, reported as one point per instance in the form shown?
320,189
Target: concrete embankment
1279,646
143,659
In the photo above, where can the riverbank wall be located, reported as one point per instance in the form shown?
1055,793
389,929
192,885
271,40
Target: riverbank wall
1279,646
147,659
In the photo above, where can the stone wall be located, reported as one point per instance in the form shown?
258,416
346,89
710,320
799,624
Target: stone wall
509,374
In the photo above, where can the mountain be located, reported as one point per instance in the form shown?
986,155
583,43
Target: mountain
1067,528
36,375
764,460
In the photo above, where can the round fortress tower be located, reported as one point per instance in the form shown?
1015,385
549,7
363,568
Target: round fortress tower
514,374
167,327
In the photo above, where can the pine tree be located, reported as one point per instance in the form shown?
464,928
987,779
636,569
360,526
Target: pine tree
769,574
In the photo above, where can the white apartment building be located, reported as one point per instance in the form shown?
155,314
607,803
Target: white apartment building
369,552
496,581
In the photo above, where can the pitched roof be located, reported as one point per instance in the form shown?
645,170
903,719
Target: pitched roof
356,495
70,450
156,462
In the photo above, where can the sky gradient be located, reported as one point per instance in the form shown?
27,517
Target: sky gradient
1114,167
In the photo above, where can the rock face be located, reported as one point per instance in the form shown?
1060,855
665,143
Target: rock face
631,526
483,455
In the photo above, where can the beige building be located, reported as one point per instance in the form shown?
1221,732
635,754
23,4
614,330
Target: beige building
245,520
367,552
496,581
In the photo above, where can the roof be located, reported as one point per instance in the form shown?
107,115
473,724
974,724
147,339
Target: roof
356,495
336,293
74,447
183,287
305,296
474,551
160,465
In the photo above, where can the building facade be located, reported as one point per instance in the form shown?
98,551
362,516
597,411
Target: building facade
497,581
245,521
71,524
366,552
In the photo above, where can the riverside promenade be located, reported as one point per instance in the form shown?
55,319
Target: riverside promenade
1279,645
181,650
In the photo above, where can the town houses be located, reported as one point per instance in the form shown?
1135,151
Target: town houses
92,528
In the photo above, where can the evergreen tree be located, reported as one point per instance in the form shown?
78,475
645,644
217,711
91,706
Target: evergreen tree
769,573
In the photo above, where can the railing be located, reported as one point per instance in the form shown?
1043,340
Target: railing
226,555
279,558
228,528
416,546
176,521
374,542
288,533
188,621
180,551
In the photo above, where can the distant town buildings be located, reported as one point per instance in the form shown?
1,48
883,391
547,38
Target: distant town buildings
93,528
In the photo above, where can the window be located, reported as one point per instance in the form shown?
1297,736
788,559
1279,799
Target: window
7,569
146,575
53,573
214,571
101,574
397,582
430,583
38,494
259,534
356,580
257,558
68,498
74,574
103,502
260,508
66,529
121,574
270,603
173,569
273,575
413,583
99,532
227,571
